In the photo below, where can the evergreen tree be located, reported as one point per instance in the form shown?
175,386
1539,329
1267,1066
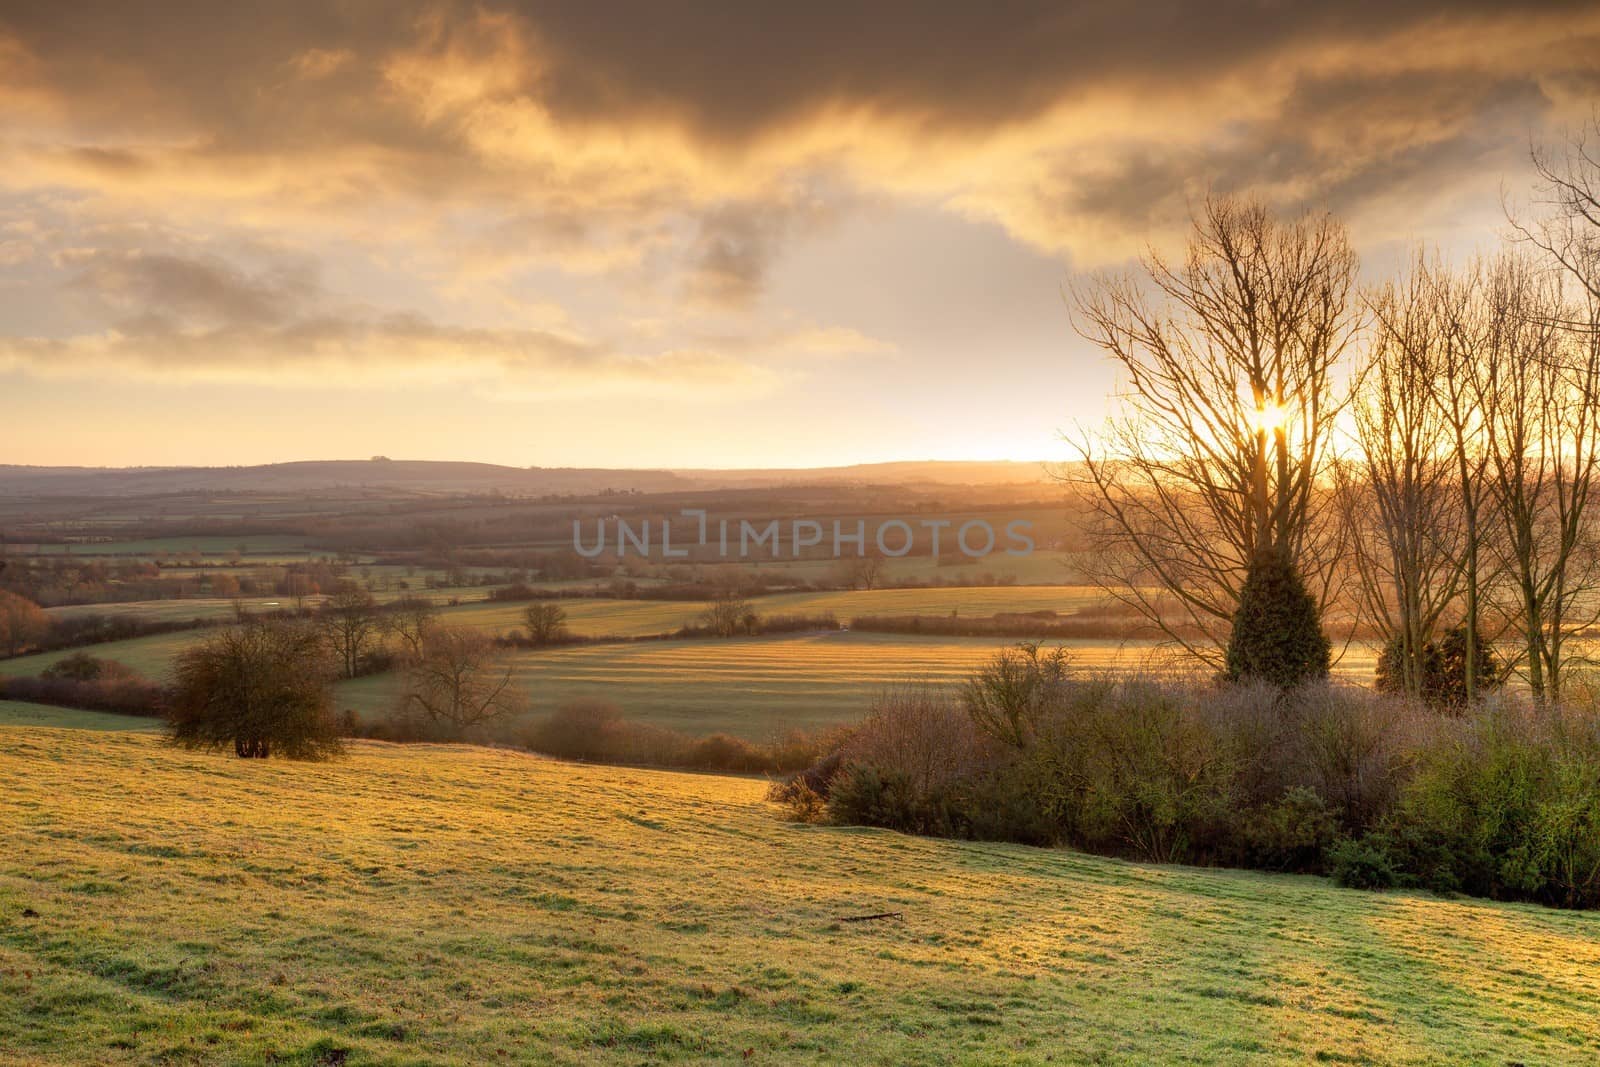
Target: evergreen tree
1277,632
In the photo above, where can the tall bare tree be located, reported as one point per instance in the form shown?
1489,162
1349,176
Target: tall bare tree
1541,400
350,623
1401,504
1566,228
1222,445
1466,326
460,679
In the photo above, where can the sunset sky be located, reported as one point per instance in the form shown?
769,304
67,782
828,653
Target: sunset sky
669,234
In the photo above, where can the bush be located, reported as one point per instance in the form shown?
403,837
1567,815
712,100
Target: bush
1277,632
595,731
1361,865
82,667
260,687
1444,670
1508,808
1294,834
1503,801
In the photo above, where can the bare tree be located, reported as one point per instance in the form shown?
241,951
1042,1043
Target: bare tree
546,622
349,622
1222,447
1466,325
729,614
1567,229
862,572
1399,496
1541,402
409,619
460,679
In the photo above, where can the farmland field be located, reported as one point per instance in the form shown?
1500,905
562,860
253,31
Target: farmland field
750,687
472,906
20,713
151,656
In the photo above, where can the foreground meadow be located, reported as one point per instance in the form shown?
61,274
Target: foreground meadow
438,904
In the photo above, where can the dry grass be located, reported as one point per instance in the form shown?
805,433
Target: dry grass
450,905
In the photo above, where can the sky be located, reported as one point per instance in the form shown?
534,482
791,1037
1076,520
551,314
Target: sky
643,234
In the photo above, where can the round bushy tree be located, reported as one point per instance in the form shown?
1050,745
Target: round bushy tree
1277,631
1444,669
262,688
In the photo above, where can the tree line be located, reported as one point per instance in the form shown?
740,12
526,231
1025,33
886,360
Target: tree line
1416,457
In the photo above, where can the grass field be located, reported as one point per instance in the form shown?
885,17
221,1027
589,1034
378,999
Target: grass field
20,713
151,656
472,906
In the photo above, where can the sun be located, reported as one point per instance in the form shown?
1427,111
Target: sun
1269,417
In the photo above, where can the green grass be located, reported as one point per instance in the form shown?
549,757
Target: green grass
151,656
459,906
20,713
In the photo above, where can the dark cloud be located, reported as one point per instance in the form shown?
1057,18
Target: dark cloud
676,151
205,290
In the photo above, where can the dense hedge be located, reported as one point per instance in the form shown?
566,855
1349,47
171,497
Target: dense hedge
1501,801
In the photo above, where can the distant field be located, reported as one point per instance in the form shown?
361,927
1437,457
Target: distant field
751,687
150,656
635,617
253,545
446,905
18,713
222,607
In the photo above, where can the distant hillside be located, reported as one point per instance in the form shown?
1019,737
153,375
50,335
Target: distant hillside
428,476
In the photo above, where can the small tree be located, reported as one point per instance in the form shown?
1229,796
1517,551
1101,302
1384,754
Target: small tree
408,620
349,623
1277,634
547,623
730,614
261,687
459,679
862,572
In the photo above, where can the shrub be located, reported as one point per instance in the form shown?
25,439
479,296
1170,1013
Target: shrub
1444,669
724,752
23,624
1277,632
596,731
1293,834
1507,808
82,667
1361,865
260,687
803,803
1501,802
1010,695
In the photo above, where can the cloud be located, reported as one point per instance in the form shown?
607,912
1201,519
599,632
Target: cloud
166,317
659,161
